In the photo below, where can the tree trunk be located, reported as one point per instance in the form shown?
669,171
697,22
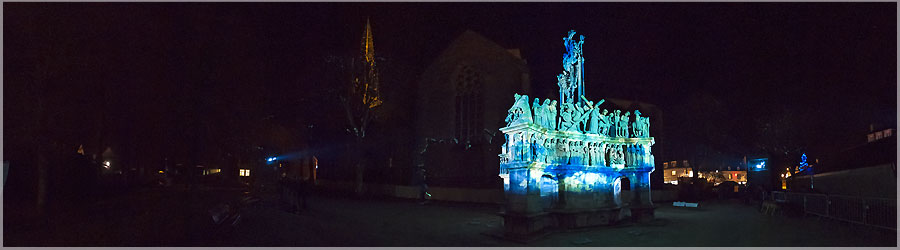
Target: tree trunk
42,180
359,167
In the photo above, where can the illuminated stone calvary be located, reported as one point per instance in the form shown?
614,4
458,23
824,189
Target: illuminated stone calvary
564,167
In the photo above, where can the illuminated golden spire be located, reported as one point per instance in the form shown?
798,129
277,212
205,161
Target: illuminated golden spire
370,81
368,46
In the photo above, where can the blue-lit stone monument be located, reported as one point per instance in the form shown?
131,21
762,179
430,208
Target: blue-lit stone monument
564,166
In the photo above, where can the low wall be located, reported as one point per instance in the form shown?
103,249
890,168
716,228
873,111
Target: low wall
663,195
494,196
876,181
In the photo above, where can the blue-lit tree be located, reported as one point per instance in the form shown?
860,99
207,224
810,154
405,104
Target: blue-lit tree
803,165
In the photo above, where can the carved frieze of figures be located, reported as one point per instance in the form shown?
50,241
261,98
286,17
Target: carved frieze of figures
546,146
565,131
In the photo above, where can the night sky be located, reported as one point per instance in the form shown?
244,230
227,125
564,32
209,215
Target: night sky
143,67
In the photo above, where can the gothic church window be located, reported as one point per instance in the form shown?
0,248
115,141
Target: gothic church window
469,106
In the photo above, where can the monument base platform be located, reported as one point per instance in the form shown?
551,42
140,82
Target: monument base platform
642,214
529,227
523,227
571,219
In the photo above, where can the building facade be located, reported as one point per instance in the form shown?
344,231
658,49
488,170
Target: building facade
461,102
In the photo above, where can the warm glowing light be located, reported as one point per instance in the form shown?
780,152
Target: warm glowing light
106,164
245,172
161,172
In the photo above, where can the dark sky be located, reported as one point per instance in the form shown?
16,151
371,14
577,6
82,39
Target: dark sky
834,64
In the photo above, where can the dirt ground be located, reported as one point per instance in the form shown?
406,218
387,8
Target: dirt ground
175,217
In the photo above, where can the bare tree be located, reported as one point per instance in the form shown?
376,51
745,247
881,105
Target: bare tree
360,97
779,135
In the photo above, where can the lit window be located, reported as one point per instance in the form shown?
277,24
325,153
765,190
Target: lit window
673,172
245,172
879,135
691,173
887,133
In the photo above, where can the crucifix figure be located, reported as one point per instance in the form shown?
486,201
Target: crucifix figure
571,81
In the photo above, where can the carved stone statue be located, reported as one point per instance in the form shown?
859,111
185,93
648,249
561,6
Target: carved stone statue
603,123
551,115
537,112
626,155
565,87
573,73
519,112
549,150
595,123
545,114
648,157
601,153
577,114
614,123
582,121
621,154
645,126
566,117
596,156
639,154
641,125
636,124
632,156
623,124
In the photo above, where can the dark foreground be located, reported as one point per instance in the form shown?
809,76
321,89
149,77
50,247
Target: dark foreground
177,217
